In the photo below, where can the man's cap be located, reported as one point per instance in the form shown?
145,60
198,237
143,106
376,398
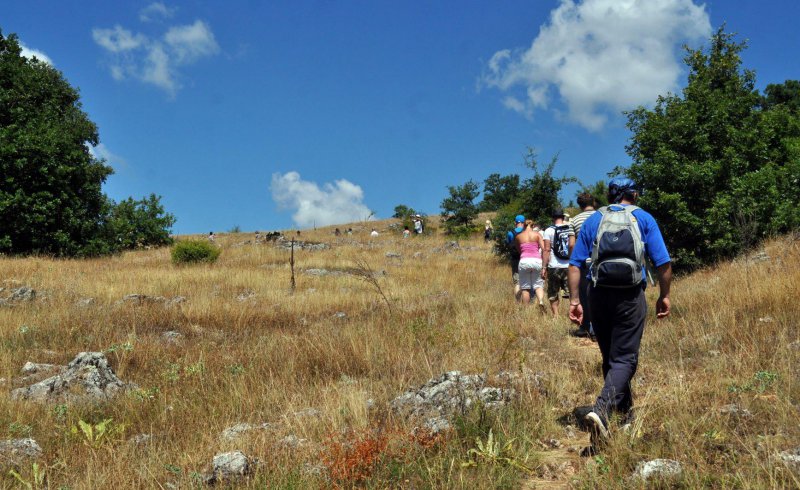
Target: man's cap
618,186
519,219
557,213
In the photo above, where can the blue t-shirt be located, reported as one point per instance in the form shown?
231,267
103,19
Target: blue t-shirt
654,245
512,234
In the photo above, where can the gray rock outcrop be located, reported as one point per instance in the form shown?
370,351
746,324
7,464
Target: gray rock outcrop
450,394
16,451
791,457
15,296
230,466
87,377
657,469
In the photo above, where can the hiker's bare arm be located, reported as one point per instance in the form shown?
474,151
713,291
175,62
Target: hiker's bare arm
545,256
571,243
664,283
575,308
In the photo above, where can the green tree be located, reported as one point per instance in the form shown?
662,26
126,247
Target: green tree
786,94
498,191
133,224
459,209
402,211
718,171
539,194
50,193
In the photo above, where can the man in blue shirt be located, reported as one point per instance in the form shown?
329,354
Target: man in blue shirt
519,225
618,314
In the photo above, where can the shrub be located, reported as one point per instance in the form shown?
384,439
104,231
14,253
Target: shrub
193,251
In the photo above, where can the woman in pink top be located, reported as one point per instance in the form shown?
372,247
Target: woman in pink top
530,245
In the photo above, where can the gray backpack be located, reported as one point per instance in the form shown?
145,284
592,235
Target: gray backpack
618,255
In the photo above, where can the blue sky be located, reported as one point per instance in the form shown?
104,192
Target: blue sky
273,115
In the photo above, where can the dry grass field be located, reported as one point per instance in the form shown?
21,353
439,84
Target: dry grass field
718,387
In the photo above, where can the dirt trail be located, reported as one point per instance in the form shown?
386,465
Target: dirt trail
561,458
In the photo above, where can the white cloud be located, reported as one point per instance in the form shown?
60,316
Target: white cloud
31,53
101,152
156,11
600,56
156,61
340,202
191,42
118,39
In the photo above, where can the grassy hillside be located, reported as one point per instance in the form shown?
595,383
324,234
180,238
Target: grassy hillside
717,389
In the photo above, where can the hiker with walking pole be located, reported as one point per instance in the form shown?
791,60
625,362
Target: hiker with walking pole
618,239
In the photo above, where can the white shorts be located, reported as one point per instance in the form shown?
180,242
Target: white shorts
530,273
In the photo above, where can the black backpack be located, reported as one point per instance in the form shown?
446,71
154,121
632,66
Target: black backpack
560,243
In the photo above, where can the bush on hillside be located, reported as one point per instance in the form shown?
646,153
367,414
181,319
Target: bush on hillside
194,251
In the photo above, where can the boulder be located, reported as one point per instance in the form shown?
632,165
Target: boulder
35,368
791,457
87,377
16,451
657,469
451,394
230,466
15,296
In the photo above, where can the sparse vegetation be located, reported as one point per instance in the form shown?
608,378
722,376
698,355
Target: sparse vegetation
195,251
277,354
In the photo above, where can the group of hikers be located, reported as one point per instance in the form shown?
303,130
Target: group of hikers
598,259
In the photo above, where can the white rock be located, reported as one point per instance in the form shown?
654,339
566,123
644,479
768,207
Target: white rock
658,468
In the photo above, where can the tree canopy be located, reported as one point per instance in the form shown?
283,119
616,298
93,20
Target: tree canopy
719,167
498,191
51,199
459,208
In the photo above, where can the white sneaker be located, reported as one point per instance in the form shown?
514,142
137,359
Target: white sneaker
598,428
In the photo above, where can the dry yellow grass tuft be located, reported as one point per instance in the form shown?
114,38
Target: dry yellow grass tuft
717,388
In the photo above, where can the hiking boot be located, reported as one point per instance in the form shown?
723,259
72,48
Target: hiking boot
580,414
580,332
597,427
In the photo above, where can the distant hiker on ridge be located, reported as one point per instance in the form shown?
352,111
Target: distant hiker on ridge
617,238
487,231
419,227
